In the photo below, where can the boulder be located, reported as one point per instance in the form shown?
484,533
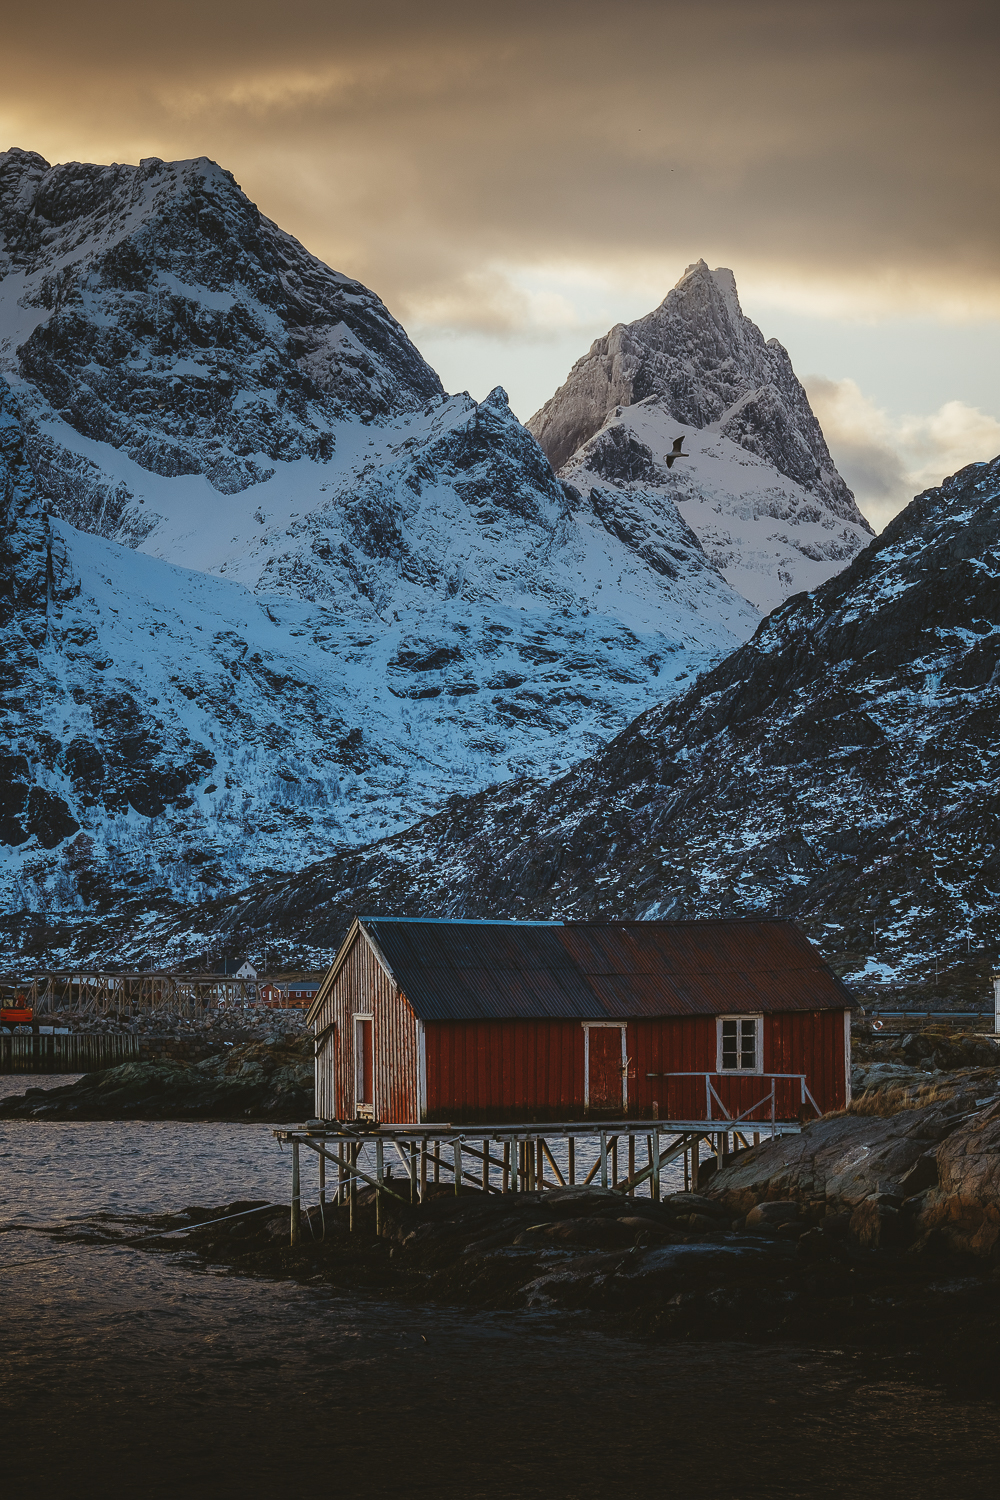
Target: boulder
772,1213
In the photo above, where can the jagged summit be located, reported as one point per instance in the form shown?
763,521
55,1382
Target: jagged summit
706,364
760,491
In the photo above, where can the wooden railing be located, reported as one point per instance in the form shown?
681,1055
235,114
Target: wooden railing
770,1098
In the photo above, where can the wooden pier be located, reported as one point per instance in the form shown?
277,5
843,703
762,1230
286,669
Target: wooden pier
630,1154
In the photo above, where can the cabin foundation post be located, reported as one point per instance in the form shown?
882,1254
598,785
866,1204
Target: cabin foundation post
322,1184
352,1189
458,1167
694,1165
505,1180
411,1162
540,1163
296,1227
340,1176
614,1161
604,1159
423,1169
379,1178
631,1162
571,1154
486,1166
655,1183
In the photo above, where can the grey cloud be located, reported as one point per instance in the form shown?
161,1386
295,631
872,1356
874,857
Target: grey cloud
418,146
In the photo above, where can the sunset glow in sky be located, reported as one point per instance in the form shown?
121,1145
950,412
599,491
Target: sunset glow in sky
512,180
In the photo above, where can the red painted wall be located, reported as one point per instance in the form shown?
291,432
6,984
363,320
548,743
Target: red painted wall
533,1070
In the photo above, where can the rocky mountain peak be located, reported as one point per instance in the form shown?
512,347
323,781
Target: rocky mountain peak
700,360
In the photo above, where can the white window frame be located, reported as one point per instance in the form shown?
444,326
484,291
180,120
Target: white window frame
359,1059
758,1025
623,1028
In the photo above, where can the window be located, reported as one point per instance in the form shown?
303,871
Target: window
739,1044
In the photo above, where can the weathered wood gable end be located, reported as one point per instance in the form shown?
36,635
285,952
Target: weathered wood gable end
358,988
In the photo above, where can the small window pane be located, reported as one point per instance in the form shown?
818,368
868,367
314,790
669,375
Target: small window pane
748,1044
730,1052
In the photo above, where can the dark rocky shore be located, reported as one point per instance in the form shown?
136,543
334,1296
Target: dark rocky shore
270,1081
681,1269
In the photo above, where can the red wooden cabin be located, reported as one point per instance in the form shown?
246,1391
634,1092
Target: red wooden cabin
478,1022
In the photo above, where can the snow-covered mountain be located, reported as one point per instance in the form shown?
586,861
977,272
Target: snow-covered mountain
842,768
298,596
759,488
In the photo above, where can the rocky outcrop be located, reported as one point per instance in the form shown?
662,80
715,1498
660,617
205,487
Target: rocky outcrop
925,1177
252,1082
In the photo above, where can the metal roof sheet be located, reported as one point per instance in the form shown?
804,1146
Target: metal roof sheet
465,971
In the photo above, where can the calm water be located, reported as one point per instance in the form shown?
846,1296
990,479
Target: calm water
130,1374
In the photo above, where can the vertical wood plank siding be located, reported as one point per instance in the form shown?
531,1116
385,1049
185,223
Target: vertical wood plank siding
514,1070
504,1070
363,987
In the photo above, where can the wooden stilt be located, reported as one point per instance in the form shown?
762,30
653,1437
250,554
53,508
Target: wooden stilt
604,1159
423,1169
380,1179
340,1176
539,1164
296,1225
486,1166
631,1162
654,1186
411,1159
437,1163
614,1161
458,1168
352,1190
322,1183
506,1167
694,1165
571,1153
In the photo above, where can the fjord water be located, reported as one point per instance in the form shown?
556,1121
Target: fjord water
130,1373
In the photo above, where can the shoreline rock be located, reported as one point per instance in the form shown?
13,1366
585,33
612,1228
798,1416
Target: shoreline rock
675,1270
256,1082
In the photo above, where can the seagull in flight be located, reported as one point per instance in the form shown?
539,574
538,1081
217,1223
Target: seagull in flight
676,452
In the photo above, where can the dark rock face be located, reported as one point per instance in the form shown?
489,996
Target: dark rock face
834,770
700,358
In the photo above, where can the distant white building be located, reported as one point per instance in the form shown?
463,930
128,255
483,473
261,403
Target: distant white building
246,971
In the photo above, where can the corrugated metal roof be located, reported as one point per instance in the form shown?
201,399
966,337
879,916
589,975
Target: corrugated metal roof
468,971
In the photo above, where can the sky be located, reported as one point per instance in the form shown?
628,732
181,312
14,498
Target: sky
514,179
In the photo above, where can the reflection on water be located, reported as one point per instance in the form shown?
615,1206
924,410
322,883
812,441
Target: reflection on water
127,1373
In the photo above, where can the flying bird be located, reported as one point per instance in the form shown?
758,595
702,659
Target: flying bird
676,452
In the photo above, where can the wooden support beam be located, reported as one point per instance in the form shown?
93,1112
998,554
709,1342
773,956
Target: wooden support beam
296,1224
549,1158
372,1181
631,1162
571,1153
457,1148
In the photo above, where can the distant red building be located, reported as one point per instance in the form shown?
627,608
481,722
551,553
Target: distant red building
428,1021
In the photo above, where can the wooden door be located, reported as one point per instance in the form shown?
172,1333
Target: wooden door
605,1070
364,1062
